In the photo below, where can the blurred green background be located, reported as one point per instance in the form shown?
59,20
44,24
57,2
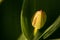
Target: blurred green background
10,17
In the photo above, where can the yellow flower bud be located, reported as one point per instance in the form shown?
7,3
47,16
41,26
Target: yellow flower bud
38,20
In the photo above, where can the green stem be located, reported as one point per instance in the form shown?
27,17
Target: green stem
22,37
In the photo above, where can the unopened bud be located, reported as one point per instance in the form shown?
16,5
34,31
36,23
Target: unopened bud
38,20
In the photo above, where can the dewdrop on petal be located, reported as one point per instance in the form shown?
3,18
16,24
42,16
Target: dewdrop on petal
38,20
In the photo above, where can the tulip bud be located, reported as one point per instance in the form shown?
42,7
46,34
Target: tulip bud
38,20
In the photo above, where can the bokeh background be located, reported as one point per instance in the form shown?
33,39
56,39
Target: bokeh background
10,19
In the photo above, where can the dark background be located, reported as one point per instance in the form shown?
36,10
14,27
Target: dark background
10,17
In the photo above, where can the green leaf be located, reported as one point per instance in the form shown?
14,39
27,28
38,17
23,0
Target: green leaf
22,37
26,27
50,29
